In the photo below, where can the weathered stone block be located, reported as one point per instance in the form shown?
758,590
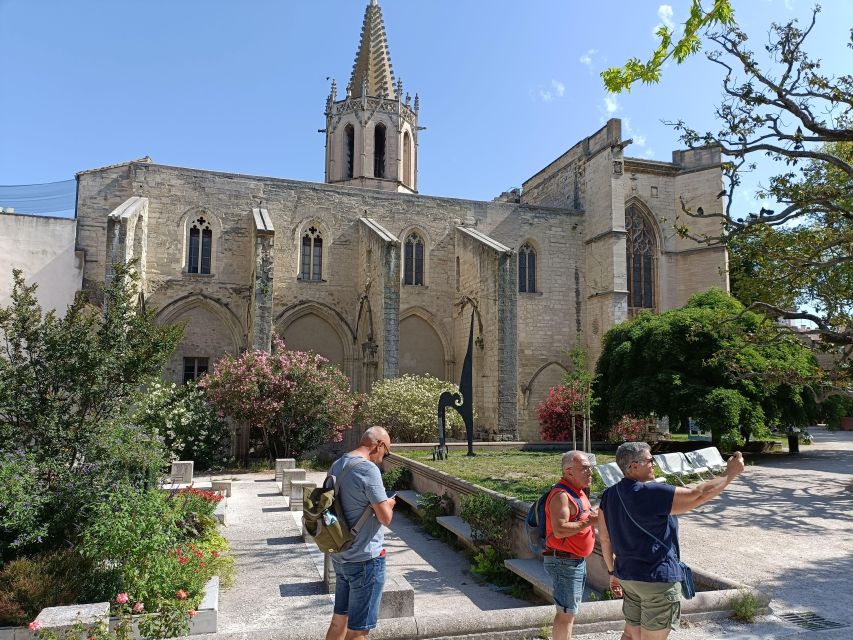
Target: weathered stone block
298,488
288,476
59,618
182,472
281,464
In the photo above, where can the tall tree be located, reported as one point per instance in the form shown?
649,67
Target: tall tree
698,362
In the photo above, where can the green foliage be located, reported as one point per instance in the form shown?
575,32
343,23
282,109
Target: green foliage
66,387
488,563
491,522
617,79
744,606
397,478
709,360
30,584
834,408
187,422
434,506
407,407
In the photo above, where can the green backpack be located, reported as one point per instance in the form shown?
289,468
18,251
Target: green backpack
323,515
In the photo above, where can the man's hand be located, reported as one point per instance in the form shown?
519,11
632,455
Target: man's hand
592,517
734,467
615,587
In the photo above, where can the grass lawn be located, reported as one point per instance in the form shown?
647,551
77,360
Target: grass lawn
521,474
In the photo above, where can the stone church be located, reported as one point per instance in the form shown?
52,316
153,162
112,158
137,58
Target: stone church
383,280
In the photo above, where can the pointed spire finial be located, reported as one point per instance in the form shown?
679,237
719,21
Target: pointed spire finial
373,60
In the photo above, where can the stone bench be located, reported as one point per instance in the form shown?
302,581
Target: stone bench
298,489
288,476
221,485
281,464
458,527
398,596
410,498
532,570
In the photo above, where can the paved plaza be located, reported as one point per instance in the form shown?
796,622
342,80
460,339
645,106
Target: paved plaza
786,525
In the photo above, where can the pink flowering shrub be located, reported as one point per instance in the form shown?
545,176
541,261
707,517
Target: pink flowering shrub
560,412
627,429
296,399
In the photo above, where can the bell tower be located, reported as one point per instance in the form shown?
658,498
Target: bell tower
372,134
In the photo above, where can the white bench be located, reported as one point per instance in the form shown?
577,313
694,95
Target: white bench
611,474
676,464
708,458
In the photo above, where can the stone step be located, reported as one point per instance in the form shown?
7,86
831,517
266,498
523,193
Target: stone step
458,527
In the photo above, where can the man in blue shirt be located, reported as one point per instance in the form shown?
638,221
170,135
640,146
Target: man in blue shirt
640,564
360,569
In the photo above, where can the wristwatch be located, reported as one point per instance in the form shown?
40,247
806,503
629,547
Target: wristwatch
609,572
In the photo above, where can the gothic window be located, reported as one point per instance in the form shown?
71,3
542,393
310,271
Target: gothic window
349,151
413,260
194,368
379,151
407,159
311,266
641,251
199,247
526,269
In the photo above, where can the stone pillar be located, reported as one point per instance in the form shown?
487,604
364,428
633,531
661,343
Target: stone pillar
298,490
391,311
288,476
281,464
221,485
261,312
182,472
507,427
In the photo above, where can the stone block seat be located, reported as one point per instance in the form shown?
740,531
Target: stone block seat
410,497
533,571
460,528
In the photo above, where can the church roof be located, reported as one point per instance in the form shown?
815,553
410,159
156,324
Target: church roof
373,61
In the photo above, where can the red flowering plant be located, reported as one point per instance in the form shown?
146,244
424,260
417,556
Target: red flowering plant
561,413
627,429
297,399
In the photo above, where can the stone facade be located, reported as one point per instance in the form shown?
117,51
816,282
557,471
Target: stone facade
238,257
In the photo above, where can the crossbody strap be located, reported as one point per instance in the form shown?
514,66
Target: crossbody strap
575,498
637,524
338,483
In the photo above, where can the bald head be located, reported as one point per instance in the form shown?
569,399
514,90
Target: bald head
373,436
577,470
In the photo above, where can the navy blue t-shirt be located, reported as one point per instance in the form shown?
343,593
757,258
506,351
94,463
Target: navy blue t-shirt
638,556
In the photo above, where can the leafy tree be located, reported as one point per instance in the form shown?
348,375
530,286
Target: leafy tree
66,385
407,407
618,79
296,399
701,361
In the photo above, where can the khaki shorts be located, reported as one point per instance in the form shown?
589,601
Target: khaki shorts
651,605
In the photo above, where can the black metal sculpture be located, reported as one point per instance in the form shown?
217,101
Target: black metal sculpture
462,402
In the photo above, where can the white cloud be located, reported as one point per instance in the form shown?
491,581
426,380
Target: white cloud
545,96
586,59
649,153
611,104
665,15
559,88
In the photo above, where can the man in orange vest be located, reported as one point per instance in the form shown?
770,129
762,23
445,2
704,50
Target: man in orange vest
569,539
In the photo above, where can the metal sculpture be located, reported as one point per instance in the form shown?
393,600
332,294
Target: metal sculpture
462,402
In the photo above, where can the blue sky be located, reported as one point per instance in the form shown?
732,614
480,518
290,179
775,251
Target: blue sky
506,86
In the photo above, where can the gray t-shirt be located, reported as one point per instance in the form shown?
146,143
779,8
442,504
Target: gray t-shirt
361,487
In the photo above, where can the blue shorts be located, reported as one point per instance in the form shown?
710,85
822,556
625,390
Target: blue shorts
358,591
569,576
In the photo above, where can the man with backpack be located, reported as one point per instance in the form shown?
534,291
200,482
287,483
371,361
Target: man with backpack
360,568
569,539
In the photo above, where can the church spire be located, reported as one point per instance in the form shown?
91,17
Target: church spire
372,71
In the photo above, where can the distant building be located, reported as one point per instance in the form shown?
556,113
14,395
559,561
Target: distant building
383,280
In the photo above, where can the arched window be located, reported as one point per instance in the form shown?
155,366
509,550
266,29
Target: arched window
379,151
413,260
641,251
407,159
349,151
311,266
200,246
527,269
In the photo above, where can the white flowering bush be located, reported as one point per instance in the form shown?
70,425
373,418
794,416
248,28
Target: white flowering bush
408,407
187,422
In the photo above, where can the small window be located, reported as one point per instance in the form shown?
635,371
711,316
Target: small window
379,151
194,368
654,192
527,269
413,261
311,266
349,151
200,247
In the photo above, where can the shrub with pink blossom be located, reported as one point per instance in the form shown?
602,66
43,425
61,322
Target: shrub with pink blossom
297,400
627,429
561,413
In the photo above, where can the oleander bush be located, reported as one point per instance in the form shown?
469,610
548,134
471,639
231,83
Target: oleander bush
407,407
